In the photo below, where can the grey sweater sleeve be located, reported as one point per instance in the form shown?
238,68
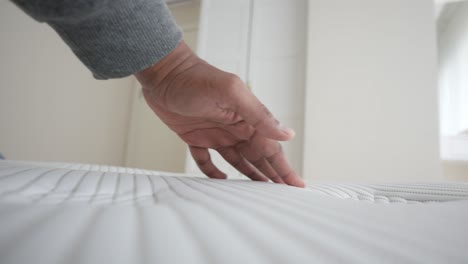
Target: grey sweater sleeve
113,38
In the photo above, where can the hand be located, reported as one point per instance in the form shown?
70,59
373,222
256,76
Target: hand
212,109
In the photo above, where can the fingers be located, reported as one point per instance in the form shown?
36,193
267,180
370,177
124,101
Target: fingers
203,160
267,156
241,130
240,163
280,165
258,115
266,169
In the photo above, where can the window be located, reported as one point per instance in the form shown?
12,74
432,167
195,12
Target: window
453,80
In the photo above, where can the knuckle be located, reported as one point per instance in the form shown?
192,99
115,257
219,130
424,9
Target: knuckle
273,150
276,178
267,112
266,118
287,175
233,80
274,158
233,83
189,139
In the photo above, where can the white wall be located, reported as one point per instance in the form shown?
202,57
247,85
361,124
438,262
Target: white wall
371,111
51,108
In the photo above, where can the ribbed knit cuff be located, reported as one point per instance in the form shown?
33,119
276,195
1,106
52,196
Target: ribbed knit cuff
119,37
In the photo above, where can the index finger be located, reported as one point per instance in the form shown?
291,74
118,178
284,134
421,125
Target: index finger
288,175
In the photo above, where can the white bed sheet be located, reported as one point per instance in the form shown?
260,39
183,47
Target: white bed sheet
73,213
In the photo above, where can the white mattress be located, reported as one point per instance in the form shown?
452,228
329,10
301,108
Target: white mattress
66,213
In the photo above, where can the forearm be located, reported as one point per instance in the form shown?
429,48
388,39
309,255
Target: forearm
112,38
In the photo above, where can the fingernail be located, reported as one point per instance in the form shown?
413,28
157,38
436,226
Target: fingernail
287,130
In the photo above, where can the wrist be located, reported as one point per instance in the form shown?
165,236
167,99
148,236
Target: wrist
158,75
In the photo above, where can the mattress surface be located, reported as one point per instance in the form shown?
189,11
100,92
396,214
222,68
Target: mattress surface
74,213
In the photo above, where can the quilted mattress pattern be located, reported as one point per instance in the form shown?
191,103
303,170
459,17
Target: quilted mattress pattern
76,213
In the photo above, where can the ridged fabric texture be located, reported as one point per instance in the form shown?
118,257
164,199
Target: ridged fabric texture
396,192
113,38
72,213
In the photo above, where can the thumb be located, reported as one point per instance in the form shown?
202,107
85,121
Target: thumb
257,114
